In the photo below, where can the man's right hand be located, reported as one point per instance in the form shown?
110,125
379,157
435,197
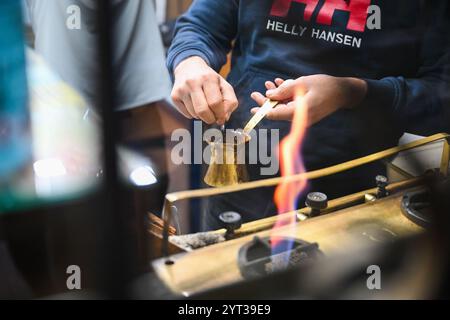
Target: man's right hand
201,93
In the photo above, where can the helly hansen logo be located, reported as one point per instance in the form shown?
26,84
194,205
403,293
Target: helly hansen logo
358,11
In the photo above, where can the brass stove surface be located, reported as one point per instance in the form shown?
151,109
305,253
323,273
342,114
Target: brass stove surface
348,222
217,265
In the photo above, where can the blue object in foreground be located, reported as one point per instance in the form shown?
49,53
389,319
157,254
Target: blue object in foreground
15,143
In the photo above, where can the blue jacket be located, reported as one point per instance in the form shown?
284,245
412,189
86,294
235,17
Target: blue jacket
400,47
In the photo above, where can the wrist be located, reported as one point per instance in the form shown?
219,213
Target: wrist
356,90
188,61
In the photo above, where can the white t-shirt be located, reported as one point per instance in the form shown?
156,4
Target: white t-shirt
139,58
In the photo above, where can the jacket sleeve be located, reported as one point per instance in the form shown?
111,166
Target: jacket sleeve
206,30
422,102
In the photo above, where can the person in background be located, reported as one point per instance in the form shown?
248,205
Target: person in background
65,36
370,71
71,52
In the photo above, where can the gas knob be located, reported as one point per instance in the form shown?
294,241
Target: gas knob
382,182
231,221
317,201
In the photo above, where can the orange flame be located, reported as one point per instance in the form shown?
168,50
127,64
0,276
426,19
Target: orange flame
291,162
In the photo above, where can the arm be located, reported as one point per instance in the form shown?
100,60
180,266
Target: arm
421,102
207,31
203,38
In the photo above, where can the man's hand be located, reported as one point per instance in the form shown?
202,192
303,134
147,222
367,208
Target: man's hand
201,93
322,94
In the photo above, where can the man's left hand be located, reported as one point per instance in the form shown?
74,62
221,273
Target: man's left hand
322,94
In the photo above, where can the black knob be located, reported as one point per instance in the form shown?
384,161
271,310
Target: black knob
317,201
231,222
382,182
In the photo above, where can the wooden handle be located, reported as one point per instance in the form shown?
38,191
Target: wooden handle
261,114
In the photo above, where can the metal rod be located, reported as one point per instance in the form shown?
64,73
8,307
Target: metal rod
202,193
167,217
445,158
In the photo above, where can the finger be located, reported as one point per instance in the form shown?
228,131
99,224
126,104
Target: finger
284,92
215,101
256,109
259,98
279,81
182,109
201,107
187,102
270,85
177,96
282,112
229,98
